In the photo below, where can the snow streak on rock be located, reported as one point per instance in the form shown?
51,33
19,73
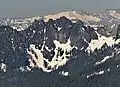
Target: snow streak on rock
105,58
96,73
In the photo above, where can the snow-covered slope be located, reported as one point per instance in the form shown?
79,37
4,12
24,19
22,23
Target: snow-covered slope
98,43
114,13
109,18
57,60
73,15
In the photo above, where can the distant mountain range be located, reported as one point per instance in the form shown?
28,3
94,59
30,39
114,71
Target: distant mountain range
67,49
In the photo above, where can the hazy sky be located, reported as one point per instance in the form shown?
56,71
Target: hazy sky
18,8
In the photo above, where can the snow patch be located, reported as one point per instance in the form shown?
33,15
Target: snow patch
61,60
24,69
108,70
39,60
59,28
113,26
100,42
57,60
118,66
64,73
3,67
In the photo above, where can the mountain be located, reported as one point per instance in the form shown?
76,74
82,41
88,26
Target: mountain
18,23
69,49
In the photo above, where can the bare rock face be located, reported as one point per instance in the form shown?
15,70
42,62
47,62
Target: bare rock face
58,53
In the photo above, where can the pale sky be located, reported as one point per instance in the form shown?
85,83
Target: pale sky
18,8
